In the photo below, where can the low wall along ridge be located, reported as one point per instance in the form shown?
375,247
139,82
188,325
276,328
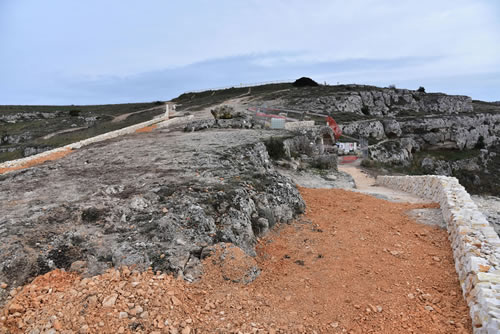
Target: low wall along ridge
160,122
475,244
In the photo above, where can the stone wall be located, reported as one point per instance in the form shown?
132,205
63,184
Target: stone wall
161,121
475,244
299,125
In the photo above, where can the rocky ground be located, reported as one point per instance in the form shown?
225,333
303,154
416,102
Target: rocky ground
490,207
352,264
157,199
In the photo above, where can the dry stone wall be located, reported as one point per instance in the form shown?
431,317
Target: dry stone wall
475,244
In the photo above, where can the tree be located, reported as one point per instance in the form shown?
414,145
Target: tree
304,82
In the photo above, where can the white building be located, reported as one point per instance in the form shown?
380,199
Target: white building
346,148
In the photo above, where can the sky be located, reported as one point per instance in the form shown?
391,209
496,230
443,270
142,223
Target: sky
120,51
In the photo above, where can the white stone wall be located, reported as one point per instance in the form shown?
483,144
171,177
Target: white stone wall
299,125
161,121
475,244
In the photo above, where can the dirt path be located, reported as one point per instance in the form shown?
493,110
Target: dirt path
50,135
354,264
125,116
367,185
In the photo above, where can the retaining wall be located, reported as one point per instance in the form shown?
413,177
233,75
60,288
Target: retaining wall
299,125
161,121
475,244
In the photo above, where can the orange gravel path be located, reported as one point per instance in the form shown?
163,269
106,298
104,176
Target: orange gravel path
146,129
353,264
34,162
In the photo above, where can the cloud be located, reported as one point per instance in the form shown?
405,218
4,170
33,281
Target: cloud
59,50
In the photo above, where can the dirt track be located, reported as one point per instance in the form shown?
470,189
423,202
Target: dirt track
353,264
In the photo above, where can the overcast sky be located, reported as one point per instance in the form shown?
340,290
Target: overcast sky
113,51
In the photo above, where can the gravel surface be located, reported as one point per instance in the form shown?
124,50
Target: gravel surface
353,264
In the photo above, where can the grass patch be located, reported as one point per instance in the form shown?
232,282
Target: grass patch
6,156
201,100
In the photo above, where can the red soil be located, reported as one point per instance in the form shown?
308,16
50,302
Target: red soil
353,264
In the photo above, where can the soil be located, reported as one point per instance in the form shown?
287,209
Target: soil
352,264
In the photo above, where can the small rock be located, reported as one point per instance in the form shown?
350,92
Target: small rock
13,308
429,308
379,308
109,301
136,310
411,296
121,330
144,315
186,330
78,266
175,301
436,258
3,285
123,315
57,325
334,324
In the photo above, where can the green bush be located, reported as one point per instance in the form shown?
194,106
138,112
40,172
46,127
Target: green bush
275,148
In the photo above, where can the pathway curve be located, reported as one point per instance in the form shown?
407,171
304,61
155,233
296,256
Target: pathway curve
125,116
367,185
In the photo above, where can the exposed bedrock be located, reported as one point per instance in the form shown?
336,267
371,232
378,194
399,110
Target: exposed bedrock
367,100
161,199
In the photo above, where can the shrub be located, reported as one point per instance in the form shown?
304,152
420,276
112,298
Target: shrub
421,89
275,148
305,82
74,112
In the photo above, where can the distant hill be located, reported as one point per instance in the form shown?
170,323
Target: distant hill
28,130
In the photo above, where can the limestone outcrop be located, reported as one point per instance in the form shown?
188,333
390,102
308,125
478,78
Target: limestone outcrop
375,101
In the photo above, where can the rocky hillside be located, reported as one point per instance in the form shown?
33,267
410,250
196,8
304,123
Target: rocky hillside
159,199
410,131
